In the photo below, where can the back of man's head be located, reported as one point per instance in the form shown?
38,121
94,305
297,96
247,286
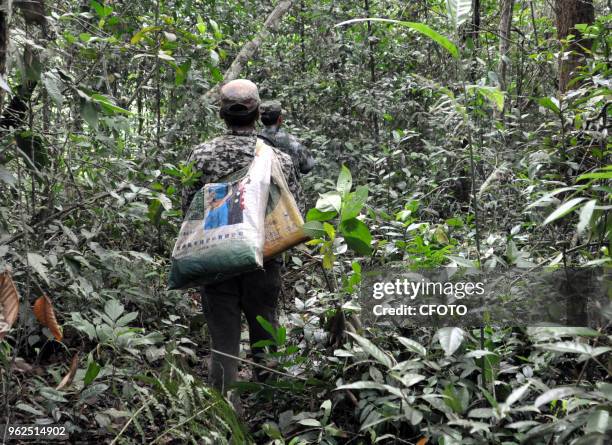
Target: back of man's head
270,112
239,103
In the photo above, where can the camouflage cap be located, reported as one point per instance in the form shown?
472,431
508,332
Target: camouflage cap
239,96
271,106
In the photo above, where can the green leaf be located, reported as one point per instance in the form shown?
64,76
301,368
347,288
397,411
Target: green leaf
595,175
52,394
463,262
563,210
345,181
440,235
201,25
451,399
144,31
53,86
102,11
92,372
357,236
181,72
37,262
373,350
89,114
444,42
516,395
310,422
107,105
93,391
450,339
353,203
559,393
314,229
598,422
270,329
412,346
328,202
585,215
492,94
330,231
317,215
550,103
29,409
113,309
573,348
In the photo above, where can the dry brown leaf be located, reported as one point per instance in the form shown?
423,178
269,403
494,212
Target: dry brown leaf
43,310
9,303
422,440
68,378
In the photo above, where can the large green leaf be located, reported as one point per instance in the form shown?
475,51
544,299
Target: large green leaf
317,215
53,85
563,210
353,203
450,339
357,236
329,202
314,229
585,215
444,42
550,103
492,94
373,350
556,394
345,181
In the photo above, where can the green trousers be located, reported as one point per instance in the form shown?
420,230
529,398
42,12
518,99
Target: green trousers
254,293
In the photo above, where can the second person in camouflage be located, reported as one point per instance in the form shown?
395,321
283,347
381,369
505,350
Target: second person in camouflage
272,117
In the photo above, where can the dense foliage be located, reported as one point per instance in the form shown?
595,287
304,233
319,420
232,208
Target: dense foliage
463,150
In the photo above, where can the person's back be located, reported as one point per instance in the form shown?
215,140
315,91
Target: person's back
254,293
272,118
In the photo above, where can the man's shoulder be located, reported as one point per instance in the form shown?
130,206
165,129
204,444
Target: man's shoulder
226,145
284,157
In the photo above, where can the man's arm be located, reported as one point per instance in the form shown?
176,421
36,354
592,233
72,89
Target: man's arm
290,175
306,161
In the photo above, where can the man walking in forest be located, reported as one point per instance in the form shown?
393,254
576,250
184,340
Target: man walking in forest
272,118
254,293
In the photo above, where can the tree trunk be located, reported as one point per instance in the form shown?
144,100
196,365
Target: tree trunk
5,17
570,13
250,48
504,43
475,21
372,63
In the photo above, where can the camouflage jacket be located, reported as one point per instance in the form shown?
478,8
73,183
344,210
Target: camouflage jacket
302,159
230,153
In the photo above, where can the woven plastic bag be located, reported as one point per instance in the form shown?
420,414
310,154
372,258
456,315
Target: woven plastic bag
284,222
223,231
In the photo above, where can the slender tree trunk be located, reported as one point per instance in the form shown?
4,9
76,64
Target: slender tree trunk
372,63
475,21
5,17
504,43
570,13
